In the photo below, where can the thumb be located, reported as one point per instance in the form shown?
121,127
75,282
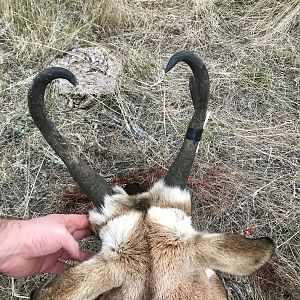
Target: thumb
58,268
70,245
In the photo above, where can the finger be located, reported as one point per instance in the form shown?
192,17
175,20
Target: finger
70,245
84,255
81,234
76,222
58,268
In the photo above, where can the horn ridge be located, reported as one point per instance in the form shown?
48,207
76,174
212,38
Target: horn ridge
91,183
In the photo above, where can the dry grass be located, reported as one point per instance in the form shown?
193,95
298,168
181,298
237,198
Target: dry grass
248,172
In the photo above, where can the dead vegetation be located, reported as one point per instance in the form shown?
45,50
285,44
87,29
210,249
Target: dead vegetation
247,175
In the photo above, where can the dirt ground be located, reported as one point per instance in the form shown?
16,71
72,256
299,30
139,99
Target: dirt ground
247,173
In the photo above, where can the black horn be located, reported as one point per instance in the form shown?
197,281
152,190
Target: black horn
92,184
199,87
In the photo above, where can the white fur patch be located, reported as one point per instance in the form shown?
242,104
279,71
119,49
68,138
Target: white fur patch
95,217
112,204
170,194
209,273
117,231
174,220
206,235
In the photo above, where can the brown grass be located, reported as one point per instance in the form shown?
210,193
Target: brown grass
247,172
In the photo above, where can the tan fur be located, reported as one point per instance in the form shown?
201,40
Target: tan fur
156,254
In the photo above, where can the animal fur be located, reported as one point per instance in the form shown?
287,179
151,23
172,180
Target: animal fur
156,254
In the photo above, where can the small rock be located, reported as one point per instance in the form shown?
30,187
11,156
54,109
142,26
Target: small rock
95,69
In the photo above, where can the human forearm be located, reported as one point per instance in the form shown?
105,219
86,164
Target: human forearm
7,247
12,245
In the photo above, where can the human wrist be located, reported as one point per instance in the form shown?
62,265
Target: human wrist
10,245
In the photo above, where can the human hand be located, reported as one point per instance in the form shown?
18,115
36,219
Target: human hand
34,246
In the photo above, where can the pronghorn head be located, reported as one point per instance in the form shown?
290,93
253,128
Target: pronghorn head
149,248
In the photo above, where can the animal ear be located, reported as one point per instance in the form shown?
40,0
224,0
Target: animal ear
233,253
87,280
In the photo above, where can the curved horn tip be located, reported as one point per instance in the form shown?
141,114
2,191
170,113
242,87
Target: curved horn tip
182,55
52,73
